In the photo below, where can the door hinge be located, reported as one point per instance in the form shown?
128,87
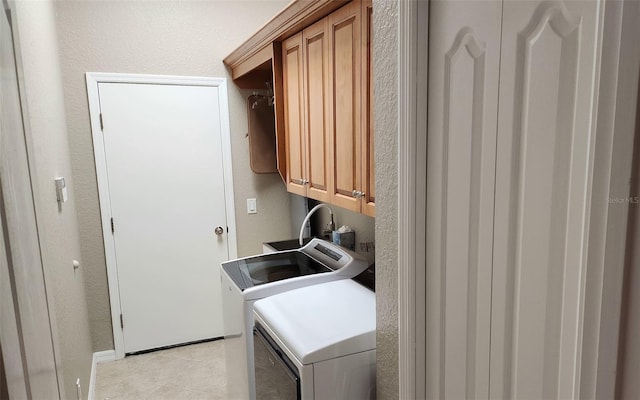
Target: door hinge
113,229
121,322
101,123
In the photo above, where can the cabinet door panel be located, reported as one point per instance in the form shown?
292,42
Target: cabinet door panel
345,64
544,159
316,63
464,49
294,113
368,156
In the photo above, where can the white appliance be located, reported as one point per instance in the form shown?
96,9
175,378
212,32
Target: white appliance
249,279
316,343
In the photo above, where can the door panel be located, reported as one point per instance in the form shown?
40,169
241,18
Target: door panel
316,95
294,113
166,186
544,158
345,65
464,49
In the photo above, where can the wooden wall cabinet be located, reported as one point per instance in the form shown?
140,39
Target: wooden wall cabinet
327,103
315,50
318,54
346,105
305,107
292,108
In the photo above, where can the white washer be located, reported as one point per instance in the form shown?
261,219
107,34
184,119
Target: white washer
249,279
316,343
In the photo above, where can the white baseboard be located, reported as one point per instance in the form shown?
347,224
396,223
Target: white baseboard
98,357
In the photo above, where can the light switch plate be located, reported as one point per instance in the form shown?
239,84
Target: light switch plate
252,206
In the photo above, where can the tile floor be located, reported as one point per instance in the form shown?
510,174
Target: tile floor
194,372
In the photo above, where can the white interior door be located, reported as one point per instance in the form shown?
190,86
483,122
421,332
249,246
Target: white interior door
166,187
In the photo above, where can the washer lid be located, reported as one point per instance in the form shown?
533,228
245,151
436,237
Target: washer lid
323,321
273,267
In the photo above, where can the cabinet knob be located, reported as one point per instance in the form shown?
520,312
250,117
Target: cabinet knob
357,194
218,231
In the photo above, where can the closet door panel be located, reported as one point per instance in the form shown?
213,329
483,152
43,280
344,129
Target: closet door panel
464,49
543,172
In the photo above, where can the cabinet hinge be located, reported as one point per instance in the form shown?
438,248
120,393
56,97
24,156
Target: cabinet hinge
113,229
101,123
121,322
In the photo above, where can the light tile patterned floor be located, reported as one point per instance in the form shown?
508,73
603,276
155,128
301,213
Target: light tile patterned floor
181,373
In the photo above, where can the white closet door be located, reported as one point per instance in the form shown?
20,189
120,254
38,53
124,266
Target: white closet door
464,54
544,161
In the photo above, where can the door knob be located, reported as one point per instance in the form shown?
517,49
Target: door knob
219,231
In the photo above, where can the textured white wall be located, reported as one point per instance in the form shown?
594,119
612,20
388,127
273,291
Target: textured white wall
385,69
171,38
49,154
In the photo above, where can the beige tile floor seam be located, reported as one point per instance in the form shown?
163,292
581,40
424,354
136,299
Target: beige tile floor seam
194,372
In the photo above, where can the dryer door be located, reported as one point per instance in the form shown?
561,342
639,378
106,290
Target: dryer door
276,376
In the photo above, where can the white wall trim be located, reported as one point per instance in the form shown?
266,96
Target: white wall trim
93,79
407,211
98,357
228,173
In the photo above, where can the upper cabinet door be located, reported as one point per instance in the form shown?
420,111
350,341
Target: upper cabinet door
327,98
368,157
316,117
344,74
293,106
544,164
464,54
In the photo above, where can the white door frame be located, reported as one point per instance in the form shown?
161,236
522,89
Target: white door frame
616,112
411,196
93,79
